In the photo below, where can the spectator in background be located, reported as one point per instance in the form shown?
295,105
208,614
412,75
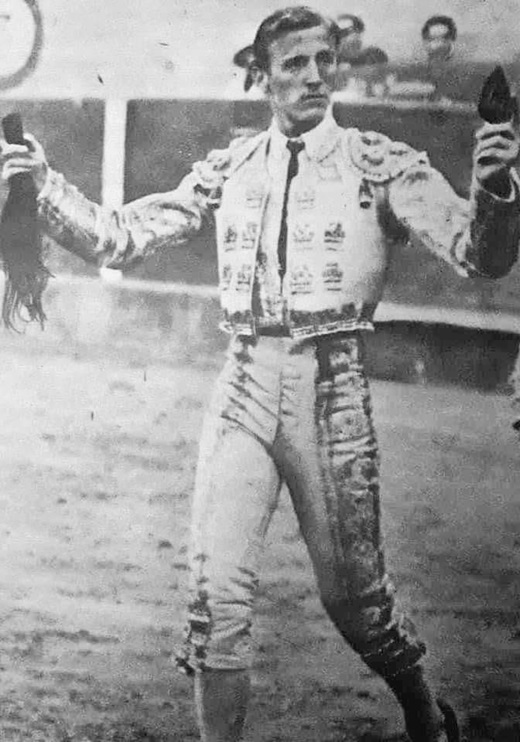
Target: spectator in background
352,30
439,34
372,67
361,70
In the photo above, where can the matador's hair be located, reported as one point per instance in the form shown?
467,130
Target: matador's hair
284,21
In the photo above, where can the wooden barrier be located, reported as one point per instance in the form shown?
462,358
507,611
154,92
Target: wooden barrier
143,322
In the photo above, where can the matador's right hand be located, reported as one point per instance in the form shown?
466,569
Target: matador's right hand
29,158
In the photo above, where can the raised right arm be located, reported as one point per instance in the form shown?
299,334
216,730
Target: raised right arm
124,237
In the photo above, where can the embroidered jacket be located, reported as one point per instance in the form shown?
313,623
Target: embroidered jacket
349,200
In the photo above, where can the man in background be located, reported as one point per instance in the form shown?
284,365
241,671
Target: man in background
439,34
352,31
361,69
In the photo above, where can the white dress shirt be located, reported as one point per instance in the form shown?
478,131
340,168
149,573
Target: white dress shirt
269,295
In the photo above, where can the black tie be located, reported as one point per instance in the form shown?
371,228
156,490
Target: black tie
295,147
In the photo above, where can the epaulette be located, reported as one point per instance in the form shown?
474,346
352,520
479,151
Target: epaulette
219,159
239,149
379,159
220,163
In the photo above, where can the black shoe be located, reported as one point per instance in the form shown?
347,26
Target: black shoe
451,725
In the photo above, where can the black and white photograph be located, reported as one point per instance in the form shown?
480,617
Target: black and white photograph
260,371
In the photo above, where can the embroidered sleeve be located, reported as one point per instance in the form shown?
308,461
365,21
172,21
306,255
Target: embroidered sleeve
477,237
119,238
122,238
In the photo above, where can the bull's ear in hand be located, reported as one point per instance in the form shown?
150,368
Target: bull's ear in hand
496,104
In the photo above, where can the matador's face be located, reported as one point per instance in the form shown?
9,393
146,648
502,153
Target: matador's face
301,78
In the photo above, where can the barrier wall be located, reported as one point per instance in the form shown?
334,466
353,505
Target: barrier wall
141,324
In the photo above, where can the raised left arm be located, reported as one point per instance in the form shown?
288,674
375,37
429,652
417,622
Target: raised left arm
478,237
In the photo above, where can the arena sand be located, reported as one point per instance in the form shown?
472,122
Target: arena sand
97,468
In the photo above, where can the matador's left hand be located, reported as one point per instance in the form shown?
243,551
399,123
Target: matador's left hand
496,151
